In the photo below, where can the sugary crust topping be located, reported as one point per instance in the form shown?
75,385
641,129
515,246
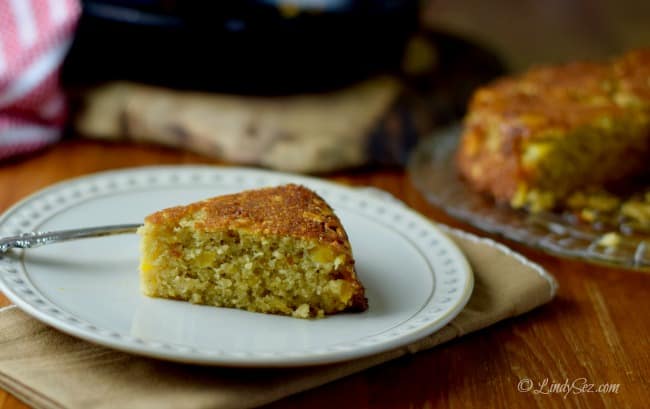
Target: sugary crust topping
633,72
563,97
289,210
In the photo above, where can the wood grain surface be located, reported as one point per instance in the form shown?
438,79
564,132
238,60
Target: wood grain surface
595,332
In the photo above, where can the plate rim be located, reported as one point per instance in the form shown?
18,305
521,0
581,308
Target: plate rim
106,339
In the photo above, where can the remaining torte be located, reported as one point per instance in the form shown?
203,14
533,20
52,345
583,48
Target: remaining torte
278,250
534,140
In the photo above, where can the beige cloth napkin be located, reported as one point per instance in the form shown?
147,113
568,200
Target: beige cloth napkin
48,369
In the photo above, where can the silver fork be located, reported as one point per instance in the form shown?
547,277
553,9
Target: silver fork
36,239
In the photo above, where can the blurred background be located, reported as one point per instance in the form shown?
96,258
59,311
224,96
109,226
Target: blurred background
298,85
530,32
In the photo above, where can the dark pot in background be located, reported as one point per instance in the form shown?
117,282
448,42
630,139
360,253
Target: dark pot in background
240,46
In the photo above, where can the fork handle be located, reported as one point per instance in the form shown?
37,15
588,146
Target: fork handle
36,239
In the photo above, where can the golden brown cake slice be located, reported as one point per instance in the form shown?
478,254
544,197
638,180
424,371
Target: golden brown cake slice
534,139
279,250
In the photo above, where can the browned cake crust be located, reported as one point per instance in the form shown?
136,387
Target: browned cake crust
571,107
288,210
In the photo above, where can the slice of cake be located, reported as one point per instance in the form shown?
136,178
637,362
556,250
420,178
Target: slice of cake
278,250
535,139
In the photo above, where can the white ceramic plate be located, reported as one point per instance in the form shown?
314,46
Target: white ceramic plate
416,279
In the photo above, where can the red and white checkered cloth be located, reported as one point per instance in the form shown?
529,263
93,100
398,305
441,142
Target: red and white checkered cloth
34,37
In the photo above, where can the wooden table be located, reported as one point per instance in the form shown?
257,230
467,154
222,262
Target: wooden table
597,328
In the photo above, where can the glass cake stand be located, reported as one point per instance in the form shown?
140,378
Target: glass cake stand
433,171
